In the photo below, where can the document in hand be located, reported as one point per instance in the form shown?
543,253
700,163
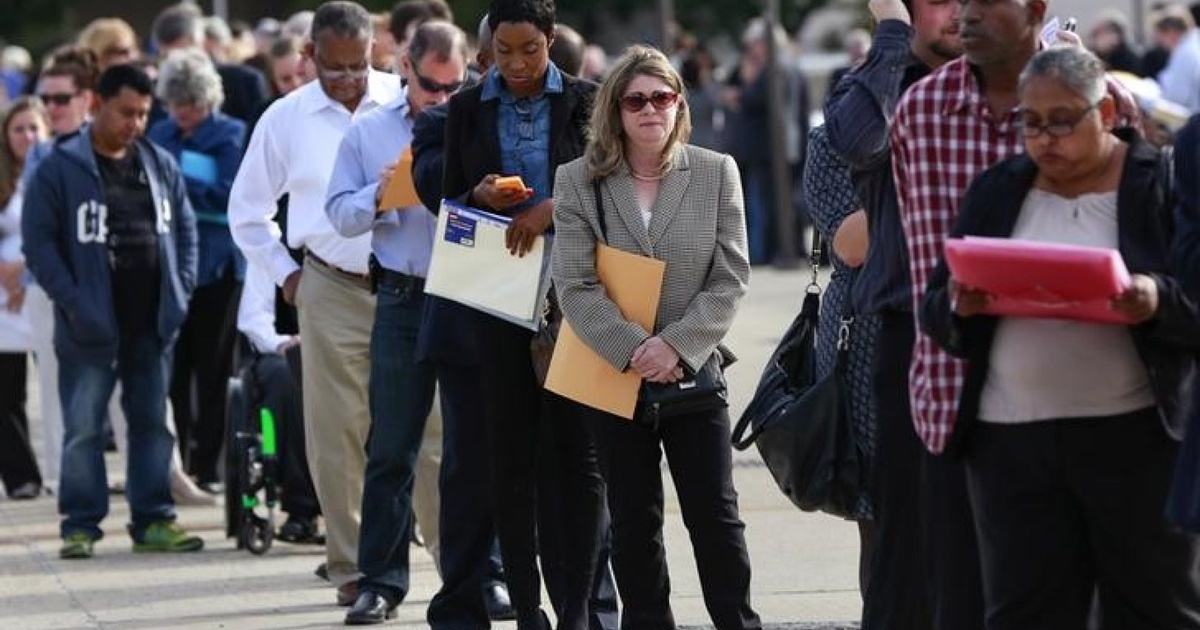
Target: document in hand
401,192
198,166
1039,279
472,266
634,284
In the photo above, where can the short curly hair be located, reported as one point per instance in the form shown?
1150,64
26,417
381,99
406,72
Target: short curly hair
540,13
188,76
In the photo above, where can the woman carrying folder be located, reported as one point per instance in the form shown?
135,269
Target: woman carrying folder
1075,425
681,204
524,119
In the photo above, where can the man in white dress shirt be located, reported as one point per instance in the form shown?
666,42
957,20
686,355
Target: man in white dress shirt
292,151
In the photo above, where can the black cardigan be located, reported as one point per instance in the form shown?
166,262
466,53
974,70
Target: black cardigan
1165,343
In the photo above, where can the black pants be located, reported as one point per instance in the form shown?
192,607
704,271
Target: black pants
204,357
279,391
18,466
1071,508
952,550
517,406
701,462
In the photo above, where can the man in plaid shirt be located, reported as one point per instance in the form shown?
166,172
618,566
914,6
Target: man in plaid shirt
948,129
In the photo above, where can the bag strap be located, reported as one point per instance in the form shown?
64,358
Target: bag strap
600,209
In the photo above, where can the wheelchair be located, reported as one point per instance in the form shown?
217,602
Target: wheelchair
253,471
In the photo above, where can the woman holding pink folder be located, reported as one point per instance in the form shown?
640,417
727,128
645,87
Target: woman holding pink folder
1075,425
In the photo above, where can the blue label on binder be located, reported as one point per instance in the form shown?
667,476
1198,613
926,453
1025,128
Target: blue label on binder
460,229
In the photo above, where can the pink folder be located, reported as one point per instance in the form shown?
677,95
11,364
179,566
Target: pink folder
1038,279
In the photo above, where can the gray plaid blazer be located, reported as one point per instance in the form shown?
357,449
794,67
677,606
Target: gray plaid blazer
697,227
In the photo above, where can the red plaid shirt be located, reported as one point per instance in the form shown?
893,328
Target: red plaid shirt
943,135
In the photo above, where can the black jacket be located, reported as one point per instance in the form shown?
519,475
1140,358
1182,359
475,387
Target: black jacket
1166,343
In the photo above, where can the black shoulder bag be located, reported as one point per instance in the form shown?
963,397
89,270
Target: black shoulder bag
697,392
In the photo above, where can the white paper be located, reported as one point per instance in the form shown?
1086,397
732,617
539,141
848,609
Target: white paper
472,266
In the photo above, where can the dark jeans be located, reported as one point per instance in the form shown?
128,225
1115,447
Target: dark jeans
897,595
18,465
401,394
279,391
701,462
85,388
515,402
203,365
1071,508
466,520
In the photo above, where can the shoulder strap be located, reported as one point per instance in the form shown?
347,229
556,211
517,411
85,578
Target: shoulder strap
600,209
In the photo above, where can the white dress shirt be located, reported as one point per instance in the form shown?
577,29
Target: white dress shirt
16,335
292,151
1180,79
256,311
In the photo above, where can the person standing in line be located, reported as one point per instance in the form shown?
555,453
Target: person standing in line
23,124
109,234
402,388
526,118
683,205
332,288
912,38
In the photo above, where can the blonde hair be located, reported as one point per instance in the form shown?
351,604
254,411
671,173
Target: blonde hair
10,165
100,35
606,138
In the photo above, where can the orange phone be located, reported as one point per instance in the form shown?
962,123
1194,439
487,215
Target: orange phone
510,183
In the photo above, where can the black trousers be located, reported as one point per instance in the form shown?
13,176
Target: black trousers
279,389
18,465
517,406
204,359
701,462
952,550
1071,508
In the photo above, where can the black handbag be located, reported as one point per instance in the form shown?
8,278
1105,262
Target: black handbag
801,424
703,390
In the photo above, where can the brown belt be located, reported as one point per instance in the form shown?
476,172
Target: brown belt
360,278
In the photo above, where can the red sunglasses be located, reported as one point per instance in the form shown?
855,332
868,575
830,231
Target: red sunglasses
661,99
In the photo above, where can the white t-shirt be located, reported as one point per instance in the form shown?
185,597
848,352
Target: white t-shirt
1046,369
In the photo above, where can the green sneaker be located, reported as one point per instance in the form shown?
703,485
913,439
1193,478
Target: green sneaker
77,546
166,536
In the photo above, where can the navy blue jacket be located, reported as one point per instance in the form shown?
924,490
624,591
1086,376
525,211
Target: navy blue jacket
219,137
65,243
1166,344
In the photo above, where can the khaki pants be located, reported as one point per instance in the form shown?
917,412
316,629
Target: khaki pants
336,315
426,497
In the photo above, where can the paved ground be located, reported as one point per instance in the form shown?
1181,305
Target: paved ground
805,565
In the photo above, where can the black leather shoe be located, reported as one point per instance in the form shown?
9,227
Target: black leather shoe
370,609
499,606
301,531
534,620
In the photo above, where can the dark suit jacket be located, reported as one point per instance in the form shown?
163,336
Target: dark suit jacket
1166,343
469,151
245,91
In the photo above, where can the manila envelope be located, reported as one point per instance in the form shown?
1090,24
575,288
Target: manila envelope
401,192
634,283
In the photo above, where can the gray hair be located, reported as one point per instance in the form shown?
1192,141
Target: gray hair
188,76
217,29
1076,68
441,39
179,22
344,20
298,25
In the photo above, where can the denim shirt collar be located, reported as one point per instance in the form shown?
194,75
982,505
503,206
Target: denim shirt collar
494,88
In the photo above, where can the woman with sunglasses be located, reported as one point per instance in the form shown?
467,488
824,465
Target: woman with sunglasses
525,118
683,205
1075,425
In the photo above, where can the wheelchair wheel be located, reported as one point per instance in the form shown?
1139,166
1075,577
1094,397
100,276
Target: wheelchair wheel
235,448
256,534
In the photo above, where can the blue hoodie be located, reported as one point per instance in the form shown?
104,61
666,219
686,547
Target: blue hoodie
64,227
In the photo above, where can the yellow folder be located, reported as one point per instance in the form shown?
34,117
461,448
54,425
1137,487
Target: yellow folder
634,283
400,191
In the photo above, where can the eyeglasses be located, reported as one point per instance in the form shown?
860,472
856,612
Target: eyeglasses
1059,129
337,74
431,86
661,99
61,99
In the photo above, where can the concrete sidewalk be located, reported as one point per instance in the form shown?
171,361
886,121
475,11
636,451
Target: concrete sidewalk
805,565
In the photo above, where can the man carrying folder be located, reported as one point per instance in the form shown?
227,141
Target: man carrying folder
371,190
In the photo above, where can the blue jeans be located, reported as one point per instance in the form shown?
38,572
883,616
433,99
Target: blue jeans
401,394
143,365
760,216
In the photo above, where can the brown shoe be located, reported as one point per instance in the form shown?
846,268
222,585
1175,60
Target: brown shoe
347,594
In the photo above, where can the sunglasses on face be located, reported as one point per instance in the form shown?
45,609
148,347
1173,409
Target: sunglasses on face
433,87
661,99
62,100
